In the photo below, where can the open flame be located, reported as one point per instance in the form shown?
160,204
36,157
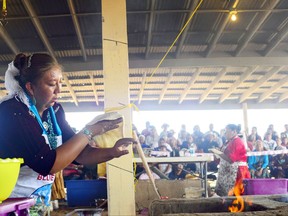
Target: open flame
238,203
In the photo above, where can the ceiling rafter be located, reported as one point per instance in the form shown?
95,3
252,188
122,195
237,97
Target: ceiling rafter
8,40
277,86
262,17
73,95
184,33
77,28
169,78
225,17
94,88
283,97
96,64
264,79
34,18
189,84
150,27
234,86
258,25
213,84
277,40
143,83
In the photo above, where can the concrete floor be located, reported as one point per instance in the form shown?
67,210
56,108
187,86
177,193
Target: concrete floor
177,205
263,206
259,205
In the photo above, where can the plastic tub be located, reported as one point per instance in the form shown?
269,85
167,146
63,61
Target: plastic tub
265,186
9,172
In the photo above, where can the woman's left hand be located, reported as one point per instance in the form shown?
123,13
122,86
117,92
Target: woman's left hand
120,147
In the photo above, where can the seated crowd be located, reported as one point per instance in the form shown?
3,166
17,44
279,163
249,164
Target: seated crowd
260,165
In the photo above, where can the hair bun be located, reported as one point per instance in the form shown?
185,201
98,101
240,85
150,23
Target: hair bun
20,61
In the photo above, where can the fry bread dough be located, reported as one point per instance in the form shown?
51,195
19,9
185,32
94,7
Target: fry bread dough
109,138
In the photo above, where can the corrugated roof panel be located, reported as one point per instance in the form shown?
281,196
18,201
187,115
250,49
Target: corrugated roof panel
169,17
247,4
204,22
15,8
93,52
136,40
282,4
168,39
55,33
198,49
136,49
137,22
25,35
197,39
51,7
90,24
225,47
162,19
275,20
136,5
87,6
212,4
171,4
4,49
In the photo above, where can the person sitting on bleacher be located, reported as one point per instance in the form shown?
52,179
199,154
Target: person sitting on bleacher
279,165
258,165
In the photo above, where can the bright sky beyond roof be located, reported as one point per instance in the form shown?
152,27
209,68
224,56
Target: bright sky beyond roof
260,118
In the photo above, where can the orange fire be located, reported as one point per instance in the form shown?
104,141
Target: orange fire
238,203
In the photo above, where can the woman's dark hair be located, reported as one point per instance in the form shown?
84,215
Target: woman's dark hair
33,67
234,127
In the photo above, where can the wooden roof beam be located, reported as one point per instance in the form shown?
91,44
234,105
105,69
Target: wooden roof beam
261,16
72,66
184,33
189,85
277,86
34,18
66,80
8,40
77,28
94,88
213,84
264,79
150,27
226,18
278,38
170,76
283,97
143,83
245,74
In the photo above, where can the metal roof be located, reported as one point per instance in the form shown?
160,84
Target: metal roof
215,63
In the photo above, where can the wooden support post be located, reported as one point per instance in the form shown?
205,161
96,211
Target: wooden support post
121,195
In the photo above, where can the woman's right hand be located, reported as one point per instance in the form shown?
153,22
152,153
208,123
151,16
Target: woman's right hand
103,126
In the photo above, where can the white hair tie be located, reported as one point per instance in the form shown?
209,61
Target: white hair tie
12,85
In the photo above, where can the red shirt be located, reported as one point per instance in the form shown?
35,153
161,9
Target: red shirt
236,150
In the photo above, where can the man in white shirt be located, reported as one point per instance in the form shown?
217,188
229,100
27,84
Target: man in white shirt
268,143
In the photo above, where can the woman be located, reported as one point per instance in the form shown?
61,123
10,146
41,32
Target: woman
258,164
33,127
233,162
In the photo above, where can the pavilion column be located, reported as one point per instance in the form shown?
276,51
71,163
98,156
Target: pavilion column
120,179
245,120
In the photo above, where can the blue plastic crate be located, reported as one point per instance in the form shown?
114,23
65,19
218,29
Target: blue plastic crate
84,192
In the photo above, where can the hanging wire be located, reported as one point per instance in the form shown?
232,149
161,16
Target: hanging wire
176,39
132,105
